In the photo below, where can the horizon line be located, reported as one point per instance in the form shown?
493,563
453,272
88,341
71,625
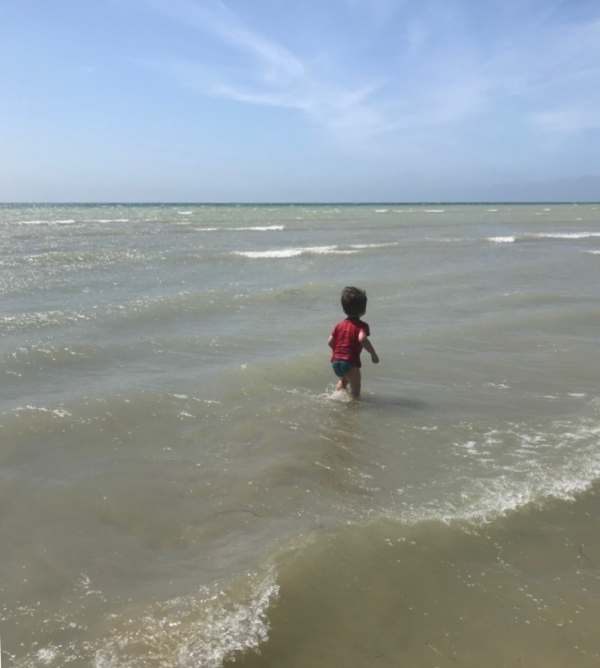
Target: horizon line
289,202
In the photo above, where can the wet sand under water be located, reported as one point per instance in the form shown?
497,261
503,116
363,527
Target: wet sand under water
523,590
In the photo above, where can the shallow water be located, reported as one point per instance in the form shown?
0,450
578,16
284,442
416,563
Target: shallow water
180,487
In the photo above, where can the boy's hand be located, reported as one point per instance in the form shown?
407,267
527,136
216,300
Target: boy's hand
375,358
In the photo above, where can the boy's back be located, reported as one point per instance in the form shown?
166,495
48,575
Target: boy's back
346,344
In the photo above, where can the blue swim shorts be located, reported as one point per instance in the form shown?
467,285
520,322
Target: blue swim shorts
341,367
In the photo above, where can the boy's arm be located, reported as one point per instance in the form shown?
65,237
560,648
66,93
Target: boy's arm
330,341
368,346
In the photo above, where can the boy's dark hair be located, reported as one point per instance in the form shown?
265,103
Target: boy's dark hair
354,302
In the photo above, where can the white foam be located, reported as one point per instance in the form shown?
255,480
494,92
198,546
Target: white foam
39,319
496,496
252,228
567,235
435,210
65,221
56,412
231,631
492,210
46,655
340,396
257,255
258,228
381,210
560,236
328,250
381,245
502,240
109,220
293,252
189,631
185,213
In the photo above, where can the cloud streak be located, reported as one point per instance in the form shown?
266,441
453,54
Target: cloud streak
437,83
274,76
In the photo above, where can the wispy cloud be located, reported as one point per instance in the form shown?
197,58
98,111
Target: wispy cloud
436,83
272,75
278,64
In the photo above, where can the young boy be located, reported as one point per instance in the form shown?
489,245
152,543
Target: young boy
347,340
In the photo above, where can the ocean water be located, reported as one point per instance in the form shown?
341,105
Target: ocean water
181,486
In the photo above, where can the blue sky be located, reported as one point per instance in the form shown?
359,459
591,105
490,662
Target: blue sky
270,100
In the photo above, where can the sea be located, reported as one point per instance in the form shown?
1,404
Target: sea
181,485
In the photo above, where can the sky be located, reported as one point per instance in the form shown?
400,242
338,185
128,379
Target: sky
274,100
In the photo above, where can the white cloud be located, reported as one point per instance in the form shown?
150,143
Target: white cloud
448,81
275,77
277,64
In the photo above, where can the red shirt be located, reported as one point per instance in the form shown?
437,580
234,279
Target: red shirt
345,343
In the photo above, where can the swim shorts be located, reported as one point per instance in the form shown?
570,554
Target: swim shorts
341,367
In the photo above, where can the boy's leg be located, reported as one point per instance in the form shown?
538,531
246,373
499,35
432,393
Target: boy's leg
341,384
353,376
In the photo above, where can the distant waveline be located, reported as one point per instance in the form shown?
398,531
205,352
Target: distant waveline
564,236
254,228
311,250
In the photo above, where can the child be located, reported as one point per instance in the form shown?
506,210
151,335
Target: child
347,340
